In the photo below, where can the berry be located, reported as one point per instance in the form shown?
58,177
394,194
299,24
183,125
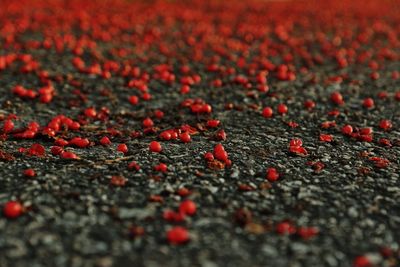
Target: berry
285,228
309,104
185,137
307,232
159,114
185,89
213,123
122,148
267,112
165,135
155,147
68,155
368,102
187,207
133,166
8,126
147,123
362,261
326,137
133,100
90,112
282,109
29,173
178,235
347,129
385,125
12,209
220,153
272,174
162,167
79,142
56,150
337,98
105,141
209,156
296,142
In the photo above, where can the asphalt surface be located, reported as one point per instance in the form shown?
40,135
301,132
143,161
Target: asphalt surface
75,215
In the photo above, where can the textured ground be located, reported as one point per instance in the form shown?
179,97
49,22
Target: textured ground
335,203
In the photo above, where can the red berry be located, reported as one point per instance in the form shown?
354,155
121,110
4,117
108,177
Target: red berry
105,141
8,126
272,174
173,216
397,96
382,95
206,108
68,155
307,232
79,142
309,104
285,228
337,98
174,134
46,98
159,114
326,137
185,89
347,129
220,153
298,150
90,112
12,209
133,100
362,261
374,75
209,156
282,109
366,131
74,126
267,112
155,147
29,173
134,166
162,167
220,135
185,137
148,123
385,142
165,135
213,123
146,96
368,102
187,207
178,235
296,142
385,124
36,150
56,150
122,148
